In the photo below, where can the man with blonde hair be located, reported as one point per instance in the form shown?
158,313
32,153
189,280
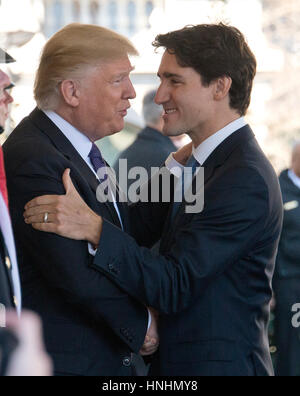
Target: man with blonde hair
82,90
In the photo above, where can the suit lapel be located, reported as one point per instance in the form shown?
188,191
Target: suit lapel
217,159
63,145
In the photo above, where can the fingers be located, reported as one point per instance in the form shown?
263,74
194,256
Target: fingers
40,201
30,357
28,328
39,210
40,218
150,346
12,320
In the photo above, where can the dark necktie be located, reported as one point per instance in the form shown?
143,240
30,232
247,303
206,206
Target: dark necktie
100,168
3,187
194,164
98,163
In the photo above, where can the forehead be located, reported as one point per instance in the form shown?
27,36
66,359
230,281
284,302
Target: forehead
170,67
4,79
117,66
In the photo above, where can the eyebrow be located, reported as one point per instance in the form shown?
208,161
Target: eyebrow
170,75
126,72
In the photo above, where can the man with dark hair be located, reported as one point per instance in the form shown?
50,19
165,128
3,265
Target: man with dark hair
214,51
211,282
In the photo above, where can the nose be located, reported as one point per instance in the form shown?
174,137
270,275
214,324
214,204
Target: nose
162,96
130,91
9,99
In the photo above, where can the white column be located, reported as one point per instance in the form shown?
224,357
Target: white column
85,11
122,17
103,13
68,11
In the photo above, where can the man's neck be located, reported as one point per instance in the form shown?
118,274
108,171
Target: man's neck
210,128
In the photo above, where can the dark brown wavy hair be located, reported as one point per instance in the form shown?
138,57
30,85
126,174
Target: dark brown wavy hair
215,50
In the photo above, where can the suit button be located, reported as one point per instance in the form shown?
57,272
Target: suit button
111,267
8,262
15,301
126,362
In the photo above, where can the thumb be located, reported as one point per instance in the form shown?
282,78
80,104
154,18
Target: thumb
67,181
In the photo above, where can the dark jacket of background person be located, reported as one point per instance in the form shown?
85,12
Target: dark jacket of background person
212,281
287,282
150,149
6,282
91,326
288,259
7,286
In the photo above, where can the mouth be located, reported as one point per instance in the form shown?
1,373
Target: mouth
169,112
124,112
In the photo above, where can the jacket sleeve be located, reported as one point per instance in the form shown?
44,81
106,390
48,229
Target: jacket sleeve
64,263
148,219
210,243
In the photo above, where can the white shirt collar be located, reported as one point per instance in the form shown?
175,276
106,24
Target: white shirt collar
80,141
205,149
295,179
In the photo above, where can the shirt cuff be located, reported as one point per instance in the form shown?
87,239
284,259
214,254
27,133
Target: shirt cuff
92,251
149,319
173,166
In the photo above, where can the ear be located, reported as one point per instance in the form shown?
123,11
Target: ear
70,92
222,87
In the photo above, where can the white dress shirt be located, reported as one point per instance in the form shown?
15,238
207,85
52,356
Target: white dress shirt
206,148
295,179
7,232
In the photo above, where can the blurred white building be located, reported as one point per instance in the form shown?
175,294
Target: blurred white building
25,25
125,16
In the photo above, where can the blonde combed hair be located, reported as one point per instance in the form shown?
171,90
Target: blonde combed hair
70,52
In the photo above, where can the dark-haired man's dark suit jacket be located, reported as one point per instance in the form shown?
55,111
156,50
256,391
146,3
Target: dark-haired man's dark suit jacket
212,281
91,326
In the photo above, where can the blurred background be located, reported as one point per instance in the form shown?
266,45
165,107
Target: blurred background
272,28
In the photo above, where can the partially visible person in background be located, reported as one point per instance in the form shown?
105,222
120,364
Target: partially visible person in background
29,358
22,352
151,147
10,292
287,273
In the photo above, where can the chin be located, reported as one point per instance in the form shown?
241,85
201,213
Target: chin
172,132
115,130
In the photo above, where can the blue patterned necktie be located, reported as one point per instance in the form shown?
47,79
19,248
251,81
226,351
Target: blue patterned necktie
98,163
194,164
